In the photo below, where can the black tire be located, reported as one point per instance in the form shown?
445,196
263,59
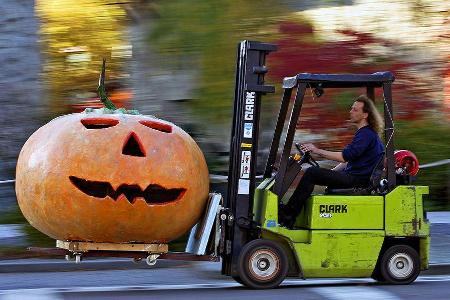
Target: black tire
376,275
237,279
262,264
400,264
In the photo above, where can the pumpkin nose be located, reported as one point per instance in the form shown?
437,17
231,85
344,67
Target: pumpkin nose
133,146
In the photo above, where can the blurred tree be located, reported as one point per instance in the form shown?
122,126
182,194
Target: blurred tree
420,125
75,36
429,139
203,35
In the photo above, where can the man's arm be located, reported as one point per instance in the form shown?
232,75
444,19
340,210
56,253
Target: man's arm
336,156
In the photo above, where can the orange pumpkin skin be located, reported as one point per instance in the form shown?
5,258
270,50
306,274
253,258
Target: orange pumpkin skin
64,169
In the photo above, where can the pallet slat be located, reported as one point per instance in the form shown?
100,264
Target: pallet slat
89,246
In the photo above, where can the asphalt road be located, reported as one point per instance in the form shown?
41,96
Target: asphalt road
196,283
121,279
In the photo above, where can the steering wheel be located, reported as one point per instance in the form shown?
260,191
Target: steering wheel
306,157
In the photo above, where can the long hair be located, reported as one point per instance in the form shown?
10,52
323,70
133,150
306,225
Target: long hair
374,118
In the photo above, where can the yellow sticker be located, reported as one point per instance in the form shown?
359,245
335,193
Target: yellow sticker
246,145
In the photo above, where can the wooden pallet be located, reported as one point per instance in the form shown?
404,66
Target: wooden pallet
132,247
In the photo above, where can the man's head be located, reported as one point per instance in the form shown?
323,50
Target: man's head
364,112
357,114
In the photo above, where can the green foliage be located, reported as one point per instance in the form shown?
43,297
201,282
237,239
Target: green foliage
429,141
108,111
33,237
343,101
36,238
13,217
203,35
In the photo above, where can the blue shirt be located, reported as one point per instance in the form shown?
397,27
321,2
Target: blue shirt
363,153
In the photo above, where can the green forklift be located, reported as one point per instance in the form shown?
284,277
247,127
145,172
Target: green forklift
380,231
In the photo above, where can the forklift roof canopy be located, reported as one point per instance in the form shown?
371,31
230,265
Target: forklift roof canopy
339,80
318,82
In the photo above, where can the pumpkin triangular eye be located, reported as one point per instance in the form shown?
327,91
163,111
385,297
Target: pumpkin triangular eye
133,146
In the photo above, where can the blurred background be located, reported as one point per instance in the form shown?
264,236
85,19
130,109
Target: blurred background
175,59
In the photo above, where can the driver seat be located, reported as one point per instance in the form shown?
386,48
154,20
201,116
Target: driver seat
377,185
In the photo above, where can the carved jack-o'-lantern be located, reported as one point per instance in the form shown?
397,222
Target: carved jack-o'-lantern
111,178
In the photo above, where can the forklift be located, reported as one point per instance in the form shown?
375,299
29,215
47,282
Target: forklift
380,231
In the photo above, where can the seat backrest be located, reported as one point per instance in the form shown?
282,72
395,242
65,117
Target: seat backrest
377,174
375,183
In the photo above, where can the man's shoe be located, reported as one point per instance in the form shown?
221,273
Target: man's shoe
287,221
281,211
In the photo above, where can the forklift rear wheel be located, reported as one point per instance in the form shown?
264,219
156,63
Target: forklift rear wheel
263,264
400,264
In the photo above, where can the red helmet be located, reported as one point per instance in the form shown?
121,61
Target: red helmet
406,163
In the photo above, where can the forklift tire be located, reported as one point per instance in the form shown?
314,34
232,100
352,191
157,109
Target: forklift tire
262,264
237,279
400,264
376,275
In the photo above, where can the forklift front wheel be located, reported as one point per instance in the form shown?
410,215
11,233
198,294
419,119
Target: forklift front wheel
237,279
263,264
400,264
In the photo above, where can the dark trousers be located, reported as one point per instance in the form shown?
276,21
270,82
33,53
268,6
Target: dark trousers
319,176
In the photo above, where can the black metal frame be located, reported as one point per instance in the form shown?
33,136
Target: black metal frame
250,71
38,251
321,81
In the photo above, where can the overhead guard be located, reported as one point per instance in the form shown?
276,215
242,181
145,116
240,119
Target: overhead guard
340,80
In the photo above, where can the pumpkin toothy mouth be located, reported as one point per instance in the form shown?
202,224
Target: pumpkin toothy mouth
153,194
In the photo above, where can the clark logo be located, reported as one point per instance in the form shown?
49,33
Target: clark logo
249,106
335,208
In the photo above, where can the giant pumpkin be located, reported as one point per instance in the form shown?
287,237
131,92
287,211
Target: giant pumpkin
111,177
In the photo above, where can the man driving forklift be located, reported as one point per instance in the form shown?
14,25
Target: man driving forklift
356,161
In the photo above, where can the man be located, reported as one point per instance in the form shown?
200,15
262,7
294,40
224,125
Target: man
356,161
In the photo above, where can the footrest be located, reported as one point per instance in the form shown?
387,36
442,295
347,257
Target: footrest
348,191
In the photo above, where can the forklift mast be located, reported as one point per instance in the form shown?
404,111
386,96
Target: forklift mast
249,87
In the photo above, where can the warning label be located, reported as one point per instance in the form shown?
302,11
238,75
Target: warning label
245,164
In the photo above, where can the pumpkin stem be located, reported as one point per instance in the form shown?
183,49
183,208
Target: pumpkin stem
102,91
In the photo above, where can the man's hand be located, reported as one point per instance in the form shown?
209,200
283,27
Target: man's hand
310,148
336,156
